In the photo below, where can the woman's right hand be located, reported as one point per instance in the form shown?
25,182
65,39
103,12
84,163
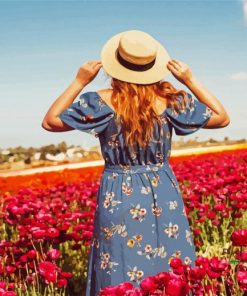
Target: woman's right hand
180,71
88,72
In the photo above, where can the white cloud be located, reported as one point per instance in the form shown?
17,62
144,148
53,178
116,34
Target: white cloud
245,9
238,76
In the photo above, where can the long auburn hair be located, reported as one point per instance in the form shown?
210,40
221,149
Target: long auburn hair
134,105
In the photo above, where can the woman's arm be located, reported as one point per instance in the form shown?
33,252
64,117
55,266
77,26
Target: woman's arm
85,75
183,73
51,121
220,118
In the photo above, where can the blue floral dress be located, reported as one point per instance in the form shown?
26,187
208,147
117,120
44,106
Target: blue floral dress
140,221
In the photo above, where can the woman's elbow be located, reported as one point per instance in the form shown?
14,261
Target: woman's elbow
226,121
45,125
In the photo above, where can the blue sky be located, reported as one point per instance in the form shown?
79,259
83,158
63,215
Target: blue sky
44,43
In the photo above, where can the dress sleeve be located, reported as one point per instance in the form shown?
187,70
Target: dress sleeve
89,114
192,118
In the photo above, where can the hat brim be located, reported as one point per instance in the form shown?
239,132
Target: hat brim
113,68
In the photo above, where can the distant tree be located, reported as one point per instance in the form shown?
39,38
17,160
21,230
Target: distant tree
62,147
212,140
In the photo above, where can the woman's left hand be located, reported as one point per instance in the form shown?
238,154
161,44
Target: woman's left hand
88,71
180,71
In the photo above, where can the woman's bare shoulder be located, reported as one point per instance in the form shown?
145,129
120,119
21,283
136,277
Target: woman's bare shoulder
105,94
105,91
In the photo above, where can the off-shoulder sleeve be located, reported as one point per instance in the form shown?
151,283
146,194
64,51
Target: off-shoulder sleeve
193,117
89,114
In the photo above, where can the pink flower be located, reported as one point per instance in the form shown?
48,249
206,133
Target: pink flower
242,279
53,254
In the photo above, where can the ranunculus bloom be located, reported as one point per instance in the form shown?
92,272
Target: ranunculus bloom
53,254
39,233
176,262
52,232
31,254
2,285
9,293
108,291
242,277
177,287
242,256
123,287
149,284
10,269
48,271
239,237
218,265
62,283
66,274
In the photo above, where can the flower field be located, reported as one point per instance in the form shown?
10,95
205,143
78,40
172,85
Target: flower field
47,224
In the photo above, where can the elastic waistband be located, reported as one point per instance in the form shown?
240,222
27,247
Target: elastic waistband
135,169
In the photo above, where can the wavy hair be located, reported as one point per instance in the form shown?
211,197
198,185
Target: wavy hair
134,105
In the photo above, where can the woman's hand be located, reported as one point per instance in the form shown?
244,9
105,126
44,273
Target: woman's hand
180,71
87,72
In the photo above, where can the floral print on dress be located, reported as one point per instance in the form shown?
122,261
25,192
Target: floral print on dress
172,204
141,222
157,211
109,201
145,190
126,187
135,240
188,237
114,229
172,230
150,252
135,275
138,213
106,263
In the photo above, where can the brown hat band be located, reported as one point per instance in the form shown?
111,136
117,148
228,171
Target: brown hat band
132,66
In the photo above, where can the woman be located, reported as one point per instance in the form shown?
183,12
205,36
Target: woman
140,220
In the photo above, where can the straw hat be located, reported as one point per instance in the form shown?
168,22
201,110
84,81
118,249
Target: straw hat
135,56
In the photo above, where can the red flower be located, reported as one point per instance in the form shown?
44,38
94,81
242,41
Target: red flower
149,284
176,262
219,265
239,237
242,279
8,293
108,291
48,271
10,269
38,233
62,283
66,274
123,287
242,256
32,254
52,232
177,287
